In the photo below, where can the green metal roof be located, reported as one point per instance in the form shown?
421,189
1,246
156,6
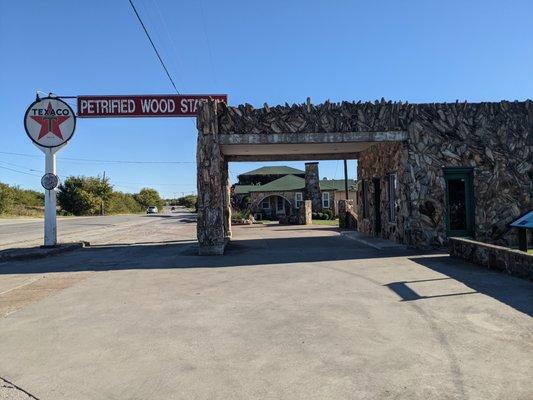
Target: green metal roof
243,189
275,170
290,183
335,184
286,183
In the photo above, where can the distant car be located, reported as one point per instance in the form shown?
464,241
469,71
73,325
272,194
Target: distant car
173,209
152,210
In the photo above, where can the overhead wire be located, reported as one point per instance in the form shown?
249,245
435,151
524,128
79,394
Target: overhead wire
120,183
153,46
20,172
173,84
210,55
178,66
102,161
18,166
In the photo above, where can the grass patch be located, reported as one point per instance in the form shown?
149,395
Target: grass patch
328,222
21,211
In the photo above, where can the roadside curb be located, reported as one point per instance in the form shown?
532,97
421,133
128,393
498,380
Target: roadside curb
18,254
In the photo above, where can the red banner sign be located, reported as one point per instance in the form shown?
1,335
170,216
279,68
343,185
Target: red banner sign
143,105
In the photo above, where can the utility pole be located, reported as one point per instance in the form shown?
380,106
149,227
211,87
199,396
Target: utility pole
346,178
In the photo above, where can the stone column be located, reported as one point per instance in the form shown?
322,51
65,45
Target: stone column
347,215
304,213
344,205
312,186
210,225
226,193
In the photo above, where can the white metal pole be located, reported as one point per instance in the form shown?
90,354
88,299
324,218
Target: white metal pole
50,222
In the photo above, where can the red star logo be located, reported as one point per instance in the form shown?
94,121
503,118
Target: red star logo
50,122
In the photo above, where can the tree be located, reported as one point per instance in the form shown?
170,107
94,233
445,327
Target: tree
149,197
122,203
188,201
82,195
7,198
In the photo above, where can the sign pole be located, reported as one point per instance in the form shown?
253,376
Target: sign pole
50,123
50,217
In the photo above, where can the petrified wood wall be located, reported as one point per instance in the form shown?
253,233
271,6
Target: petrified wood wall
377,162
494,138
213,226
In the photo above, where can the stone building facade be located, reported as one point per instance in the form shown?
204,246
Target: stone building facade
491,142
459,168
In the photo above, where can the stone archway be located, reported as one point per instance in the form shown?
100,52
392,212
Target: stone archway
401,147
288,204
303,132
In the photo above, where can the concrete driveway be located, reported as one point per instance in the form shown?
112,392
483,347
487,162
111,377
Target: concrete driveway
288,313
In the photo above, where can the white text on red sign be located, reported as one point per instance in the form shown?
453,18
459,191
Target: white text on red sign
142,106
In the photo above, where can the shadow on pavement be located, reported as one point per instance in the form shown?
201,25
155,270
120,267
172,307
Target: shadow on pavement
515,292
184,254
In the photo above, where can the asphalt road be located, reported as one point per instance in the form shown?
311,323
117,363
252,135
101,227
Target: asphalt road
24,232
289,312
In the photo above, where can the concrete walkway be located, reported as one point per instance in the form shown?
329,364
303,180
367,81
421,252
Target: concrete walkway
288,313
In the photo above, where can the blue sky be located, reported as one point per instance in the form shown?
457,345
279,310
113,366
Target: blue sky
256,52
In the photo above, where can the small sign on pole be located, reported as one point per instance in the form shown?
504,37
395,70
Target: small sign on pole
50,123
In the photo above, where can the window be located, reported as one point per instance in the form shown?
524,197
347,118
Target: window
280,204
298,199
365,198
325,200
265,204
391,183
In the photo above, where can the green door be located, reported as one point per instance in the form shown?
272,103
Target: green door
459,201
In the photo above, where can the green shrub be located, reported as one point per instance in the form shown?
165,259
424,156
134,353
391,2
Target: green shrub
239,215
314,215
329,214
17,201
149,197
82,195
122,203
187,201
7,198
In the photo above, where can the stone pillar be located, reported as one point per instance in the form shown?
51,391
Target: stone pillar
312,186
343,208
347,215
210,226
305,213
226,193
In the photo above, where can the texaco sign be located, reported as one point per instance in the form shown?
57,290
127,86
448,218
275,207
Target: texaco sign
50,122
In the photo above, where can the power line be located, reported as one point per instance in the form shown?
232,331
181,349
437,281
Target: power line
18,166
153,46
126,161
103,161
19,154
209,53
20,172
177,66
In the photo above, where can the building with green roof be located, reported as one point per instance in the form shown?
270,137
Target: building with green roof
277,192
264,175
